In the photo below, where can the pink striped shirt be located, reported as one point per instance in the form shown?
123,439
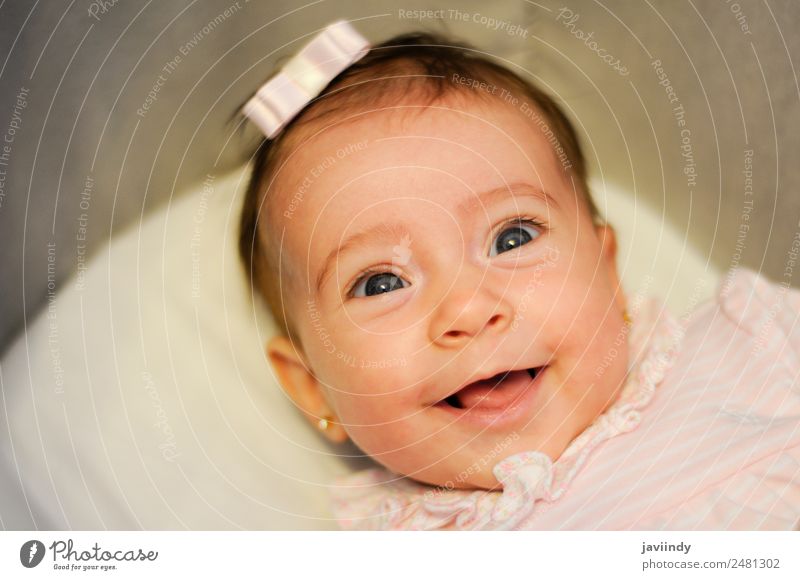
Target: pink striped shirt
705,436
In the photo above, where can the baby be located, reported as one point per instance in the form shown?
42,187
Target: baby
448,299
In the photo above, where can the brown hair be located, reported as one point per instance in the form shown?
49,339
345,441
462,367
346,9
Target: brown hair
416,65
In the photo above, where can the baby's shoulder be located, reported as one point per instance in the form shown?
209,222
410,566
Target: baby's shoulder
749,303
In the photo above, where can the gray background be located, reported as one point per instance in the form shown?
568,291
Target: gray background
87,78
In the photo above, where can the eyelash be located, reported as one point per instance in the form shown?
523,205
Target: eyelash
386,268
519,221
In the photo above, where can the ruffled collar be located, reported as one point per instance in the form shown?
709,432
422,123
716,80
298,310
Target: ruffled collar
379,499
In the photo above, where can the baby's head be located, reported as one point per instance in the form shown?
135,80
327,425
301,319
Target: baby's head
423,224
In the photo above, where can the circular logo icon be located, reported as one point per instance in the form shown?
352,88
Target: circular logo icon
31,553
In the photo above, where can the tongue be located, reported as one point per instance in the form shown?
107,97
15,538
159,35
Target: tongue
493,393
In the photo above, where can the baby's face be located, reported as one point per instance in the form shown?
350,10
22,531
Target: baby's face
435,248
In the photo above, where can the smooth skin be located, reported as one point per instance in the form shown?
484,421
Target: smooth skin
468,298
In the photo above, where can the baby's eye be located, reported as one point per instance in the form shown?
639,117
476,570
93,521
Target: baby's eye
520,233
377,283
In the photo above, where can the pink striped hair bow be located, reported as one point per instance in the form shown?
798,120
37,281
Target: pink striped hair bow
302,78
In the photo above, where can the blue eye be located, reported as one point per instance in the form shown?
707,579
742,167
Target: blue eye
521,232
378,283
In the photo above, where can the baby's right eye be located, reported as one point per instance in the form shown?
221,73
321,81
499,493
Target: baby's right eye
377,283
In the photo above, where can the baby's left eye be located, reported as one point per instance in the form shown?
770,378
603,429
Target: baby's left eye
373,283
520,233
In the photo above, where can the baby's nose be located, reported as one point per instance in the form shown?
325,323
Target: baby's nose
466,313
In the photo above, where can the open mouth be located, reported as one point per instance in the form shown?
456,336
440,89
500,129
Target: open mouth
495,393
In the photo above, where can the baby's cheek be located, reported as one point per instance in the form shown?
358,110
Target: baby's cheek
382,400
378,394
379,426
584,291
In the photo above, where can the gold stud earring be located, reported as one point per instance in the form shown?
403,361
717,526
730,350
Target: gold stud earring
626,317
324,422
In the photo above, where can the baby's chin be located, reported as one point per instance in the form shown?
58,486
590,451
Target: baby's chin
471,474
489,483
483,479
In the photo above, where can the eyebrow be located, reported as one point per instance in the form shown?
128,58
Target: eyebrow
391,230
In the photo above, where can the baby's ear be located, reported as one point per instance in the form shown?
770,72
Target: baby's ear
301,385
608,242
608,250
